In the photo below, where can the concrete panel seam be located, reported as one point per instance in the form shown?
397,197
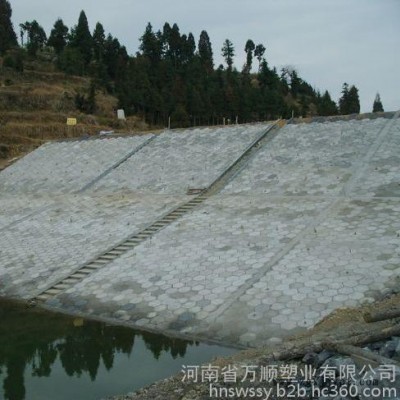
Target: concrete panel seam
116,165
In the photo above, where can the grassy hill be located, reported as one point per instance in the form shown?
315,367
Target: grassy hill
35,105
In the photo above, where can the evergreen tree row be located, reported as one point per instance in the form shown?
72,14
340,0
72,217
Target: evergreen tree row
173,76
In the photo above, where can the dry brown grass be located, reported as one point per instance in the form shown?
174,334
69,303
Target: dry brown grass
35,105
41,117
17,132
36,89
21,138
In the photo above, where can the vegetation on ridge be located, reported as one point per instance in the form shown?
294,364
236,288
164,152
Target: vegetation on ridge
171,76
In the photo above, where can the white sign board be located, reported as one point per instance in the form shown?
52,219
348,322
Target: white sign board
121,114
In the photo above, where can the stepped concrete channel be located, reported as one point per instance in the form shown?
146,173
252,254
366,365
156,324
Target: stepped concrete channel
308,221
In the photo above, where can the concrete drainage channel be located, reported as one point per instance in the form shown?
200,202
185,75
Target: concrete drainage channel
128,244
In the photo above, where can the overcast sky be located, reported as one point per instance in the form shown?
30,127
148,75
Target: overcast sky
328,41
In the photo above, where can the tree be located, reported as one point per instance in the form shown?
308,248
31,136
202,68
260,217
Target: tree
81,38
99,39
377,107
189,48
151,45
98,67
344,100
174,41
166,33
58,36
205,52
325,105
71,61
180,117
295,83
167,77
354,100
249,48
115,57
8,38
349,103
292,79
268,78
36,37
24,29
259,53
228,52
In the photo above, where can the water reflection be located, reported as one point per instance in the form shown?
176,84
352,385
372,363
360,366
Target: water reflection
37,339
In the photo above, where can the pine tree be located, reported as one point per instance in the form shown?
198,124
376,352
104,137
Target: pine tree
98,68
151,45
344,100
349,103
228,52
325,105
167,77
259,53
99,38
115,57
377,107
249,48
166,33
205,52
8,38
295,83
174,45
354,100
268,78
188,48
81,38
58,36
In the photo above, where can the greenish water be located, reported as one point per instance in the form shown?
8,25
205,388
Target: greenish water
46,356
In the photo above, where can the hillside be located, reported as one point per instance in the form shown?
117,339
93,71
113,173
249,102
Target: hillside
173,80
35,105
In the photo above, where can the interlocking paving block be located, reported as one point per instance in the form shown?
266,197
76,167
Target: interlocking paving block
178,161
308,159
349,258
309,225
381,177
63,167
52,244
18,208
192,267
